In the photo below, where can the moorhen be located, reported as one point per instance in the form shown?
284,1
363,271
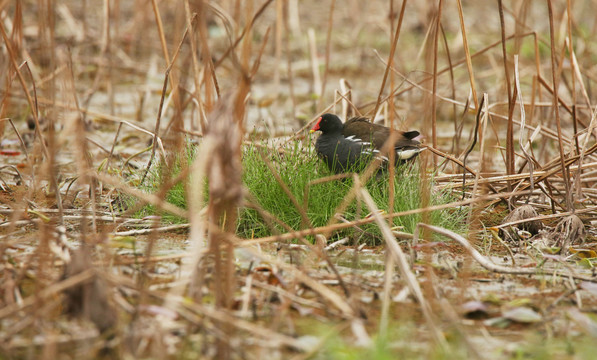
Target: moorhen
341,154
405,145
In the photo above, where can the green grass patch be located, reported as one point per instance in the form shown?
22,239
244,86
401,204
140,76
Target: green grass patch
298,167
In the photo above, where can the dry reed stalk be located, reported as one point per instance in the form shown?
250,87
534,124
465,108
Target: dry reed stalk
160,28
84,163
336,300
583,151
568,43
489,265
451,66
18,134
280,19
433,99
384,317
591,128
106,50
546,173
225,184
510,127
555,79
293,17
548,217
476,133
579,77
390,122
314,62
395,251
32,105
482,161
289,59
50,150
173,77
457,128
390,60
196,95
46,293
225,195
257,62
154,200
328,45
197,213
248,27
210,82
462,165
467,54
552,169
423,46
545,131
273,338
522,125
161,106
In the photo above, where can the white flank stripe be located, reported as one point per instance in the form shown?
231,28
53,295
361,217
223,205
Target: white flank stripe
407,154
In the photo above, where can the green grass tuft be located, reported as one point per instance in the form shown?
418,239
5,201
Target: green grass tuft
298,167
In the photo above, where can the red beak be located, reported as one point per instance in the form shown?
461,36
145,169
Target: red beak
316,126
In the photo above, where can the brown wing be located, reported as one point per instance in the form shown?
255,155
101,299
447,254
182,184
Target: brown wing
365,130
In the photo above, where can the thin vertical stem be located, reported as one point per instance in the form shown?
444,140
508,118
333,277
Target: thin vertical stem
328,45
390,60
510,129
556,106
434,97
469,63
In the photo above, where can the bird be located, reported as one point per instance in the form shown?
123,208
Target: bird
342,154
405,145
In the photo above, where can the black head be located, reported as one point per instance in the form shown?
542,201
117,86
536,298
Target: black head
328,124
